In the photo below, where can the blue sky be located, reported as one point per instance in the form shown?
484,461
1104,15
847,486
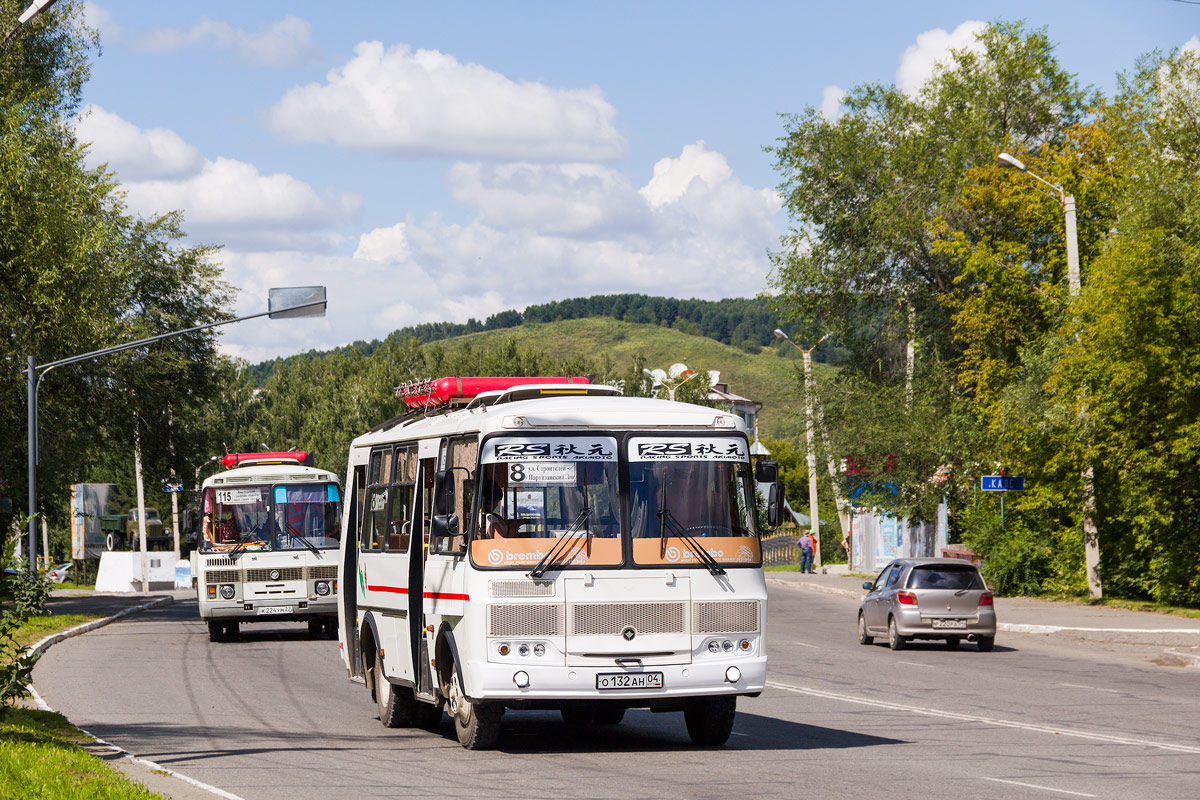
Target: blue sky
442,161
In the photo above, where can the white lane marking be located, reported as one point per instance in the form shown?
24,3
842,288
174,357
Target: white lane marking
1036,786
915,664
1004,723
1017,627
802,644
735,733
1090,688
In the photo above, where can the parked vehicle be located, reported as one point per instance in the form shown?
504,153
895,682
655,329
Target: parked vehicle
59,574
928,598
121,531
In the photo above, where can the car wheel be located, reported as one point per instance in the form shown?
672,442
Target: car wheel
110,542
895,640
863,636
986,643
710,719
952,642
477,725
395,703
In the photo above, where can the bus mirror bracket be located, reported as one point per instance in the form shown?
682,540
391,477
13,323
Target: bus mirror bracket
443,528
766,471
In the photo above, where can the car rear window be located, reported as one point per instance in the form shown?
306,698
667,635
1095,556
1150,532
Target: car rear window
945,577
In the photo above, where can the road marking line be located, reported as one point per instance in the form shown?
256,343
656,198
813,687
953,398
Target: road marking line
1004,723
802,644
1090,688
735,733
1019,627
915,664
1036,786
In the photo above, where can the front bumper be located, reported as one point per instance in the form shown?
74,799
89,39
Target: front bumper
488,681
234,609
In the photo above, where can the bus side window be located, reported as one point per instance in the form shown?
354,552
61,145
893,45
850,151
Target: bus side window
400,520
374,527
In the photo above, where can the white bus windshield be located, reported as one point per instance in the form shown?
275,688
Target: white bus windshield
283,517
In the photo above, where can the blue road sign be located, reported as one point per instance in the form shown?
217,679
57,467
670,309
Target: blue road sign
1002,483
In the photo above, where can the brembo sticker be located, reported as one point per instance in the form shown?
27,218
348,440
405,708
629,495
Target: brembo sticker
688,449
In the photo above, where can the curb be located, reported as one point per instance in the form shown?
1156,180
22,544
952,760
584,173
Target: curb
53,639
1178,658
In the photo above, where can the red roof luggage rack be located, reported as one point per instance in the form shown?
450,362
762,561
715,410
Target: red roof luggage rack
440,392
301,457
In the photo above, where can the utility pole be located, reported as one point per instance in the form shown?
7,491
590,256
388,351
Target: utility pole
810,393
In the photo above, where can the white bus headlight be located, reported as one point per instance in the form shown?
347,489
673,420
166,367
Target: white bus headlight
539,650
714,646
523,649
321,588
727,646
227,592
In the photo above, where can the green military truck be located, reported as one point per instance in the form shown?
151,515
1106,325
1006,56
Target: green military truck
121,531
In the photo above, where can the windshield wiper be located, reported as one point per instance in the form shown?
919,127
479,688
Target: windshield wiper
238,548
304,540
701,554
552,558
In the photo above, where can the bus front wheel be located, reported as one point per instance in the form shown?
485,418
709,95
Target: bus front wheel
710,719
476,724
395,703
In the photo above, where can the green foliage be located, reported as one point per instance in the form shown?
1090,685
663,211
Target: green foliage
24,596
1017,560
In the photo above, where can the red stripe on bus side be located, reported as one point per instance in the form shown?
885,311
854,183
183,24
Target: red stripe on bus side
445,596
396,589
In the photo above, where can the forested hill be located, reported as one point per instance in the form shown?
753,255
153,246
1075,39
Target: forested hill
747,323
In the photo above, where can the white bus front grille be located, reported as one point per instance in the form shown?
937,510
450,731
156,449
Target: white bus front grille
326,573
281,574
610,619
221,576
726,617
220,562
525,620
521,588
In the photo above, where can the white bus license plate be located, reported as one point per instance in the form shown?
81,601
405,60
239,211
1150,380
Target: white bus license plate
949,623
629,680
274,609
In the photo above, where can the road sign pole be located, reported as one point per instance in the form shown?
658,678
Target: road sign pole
1002,513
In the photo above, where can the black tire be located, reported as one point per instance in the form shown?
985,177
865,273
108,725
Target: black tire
986,643
895,640
315,627
710,719
216,632
952,642
429,716
576,714
477,725
396,704
111,542
863,636
608,714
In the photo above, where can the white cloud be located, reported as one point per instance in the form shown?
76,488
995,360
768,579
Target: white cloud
673,177
227,198
131,152
402,103
279,43
933,47
1192,45
831,101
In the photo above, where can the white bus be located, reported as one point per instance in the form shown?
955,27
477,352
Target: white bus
267,549
549,544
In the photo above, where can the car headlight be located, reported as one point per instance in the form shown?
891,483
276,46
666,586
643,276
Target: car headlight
227,592
321,588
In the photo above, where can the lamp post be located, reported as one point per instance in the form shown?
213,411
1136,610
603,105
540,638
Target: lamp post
294,301
810,394
671,387
35,8
1091,536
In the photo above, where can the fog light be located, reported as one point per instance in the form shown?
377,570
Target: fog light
502,648
227,592
714,646
521,679
745,645
322,588
523,650
727,646
539,650
733,674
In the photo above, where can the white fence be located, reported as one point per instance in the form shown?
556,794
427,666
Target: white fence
877,538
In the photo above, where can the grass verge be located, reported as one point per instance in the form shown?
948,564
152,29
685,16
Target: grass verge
40,757
39,628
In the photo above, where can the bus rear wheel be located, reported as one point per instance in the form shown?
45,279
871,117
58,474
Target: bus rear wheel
476,724
710,719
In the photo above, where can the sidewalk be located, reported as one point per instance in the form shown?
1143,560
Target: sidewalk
1076,621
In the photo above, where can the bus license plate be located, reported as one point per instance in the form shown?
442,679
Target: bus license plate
629,680
274,609
949,623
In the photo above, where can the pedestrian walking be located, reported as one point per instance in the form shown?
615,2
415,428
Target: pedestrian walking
807,542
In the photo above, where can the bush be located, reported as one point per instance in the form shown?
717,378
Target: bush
1015,561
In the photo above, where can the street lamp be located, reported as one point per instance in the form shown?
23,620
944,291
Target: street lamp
1068,204
810,393
35,8
671,387
292,301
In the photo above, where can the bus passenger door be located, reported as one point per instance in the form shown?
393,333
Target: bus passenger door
445,569
420,640
348,583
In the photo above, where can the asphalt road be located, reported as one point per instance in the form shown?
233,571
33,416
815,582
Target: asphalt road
273,716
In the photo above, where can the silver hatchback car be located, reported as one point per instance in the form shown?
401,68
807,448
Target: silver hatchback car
928,598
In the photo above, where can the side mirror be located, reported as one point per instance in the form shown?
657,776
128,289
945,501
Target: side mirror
442,530
766,472
868,585
443,492
775,505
